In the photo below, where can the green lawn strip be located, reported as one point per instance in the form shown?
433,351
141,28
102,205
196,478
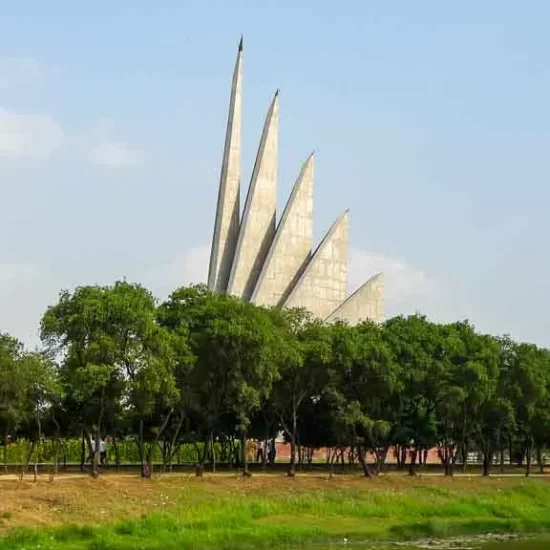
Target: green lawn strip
236,520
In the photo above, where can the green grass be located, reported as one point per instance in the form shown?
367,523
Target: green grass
279,513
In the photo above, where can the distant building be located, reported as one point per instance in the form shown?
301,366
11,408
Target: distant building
273,263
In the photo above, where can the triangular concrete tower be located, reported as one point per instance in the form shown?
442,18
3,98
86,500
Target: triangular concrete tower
258,223
271,267
365,303
322,286
226,226
291,248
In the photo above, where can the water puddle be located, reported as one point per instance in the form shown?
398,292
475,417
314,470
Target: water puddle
482,542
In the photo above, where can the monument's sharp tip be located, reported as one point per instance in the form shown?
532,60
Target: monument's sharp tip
241,44
277,92
343,215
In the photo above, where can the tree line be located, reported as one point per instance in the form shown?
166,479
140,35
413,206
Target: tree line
212,371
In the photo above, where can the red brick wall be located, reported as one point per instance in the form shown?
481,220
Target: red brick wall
283,454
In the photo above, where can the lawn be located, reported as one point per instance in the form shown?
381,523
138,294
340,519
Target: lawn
264,511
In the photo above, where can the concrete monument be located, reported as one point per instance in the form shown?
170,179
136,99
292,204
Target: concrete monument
272,264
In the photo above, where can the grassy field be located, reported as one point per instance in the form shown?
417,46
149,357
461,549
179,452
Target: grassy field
264,511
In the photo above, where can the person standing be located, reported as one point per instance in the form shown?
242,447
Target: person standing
260,454
102,452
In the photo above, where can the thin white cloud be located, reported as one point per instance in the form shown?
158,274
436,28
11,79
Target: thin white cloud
402,279
27,289
24,135
37,135
112,154
407,289
109,152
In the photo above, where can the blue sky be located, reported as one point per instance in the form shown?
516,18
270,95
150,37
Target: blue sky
430,119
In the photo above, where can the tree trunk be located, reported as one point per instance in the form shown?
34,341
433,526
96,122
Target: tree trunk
175,439
57,443
412,467
540,460
363,461
37,455
521,456
464,457
149,459
95,463
487,459
448,457
82,452
28,459
55,468
292,464
199,471
244,456
165,451
267,450
212,452
342,458
445,458
450,468
380,459
141,448
332,456
94,470
151,450
231,452
117,454
64,451
6,437
528,453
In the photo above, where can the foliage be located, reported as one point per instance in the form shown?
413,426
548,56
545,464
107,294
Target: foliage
204,371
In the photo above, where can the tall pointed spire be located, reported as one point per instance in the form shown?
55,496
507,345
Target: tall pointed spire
366,303
226,226
291,248
258,223
322,286
256,261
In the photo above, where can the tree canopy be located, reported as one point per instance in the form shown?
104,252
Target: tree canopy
212,371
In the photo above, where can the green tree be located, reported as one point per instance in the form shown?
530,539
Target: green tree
235,346
366,390
305,353
144,357
42,392
417,347
528,389
470,380
112,349
12,387
77,329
